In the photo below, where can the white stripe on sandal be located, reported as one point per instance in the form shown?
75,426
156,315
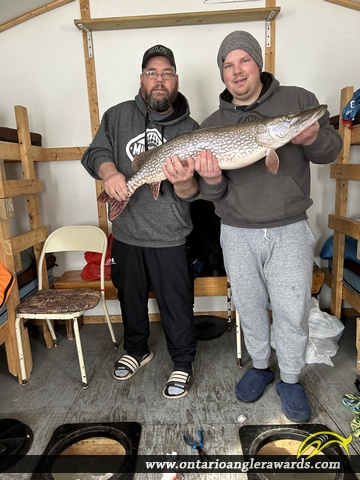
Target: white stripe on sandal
130,364
178,379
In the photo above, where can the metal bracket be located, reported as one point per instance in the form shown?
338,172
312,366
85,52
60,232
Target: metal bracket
271,16
88,38
268,34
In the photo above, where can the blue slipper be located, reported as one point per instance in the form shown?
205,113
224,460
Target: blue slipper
294,401
252,385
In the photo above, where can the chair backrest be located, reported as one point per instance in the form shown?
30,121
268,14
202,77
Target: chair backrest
75,238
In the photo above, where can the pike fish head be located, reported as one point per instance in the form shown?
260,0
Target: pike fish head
276,132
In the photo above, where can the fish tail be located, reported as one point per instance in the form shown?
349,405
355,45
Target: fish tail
103,197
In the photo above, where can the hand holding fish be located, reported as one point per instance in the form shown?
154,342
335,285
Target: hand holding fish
208,167
176,171
114,181
308,136
181,175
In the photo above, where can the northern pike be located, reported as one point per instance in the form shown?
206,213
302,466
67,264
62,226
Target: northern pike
234,146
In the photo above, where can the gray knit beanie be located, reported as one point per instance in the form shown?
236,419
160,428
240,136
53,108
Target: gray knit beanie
239,40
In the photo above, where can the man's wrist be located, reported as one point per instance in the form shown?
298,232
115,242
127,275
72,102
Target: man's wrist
213,181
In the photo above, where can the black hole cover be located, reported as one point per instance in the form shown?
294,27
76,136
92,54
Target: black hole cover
15,440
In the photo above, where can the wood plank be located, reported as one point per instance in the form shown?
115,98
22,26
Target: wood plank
178,19
20,242
16,188
341,190
32,202
6,204
338,274
203,286
345,171
95,446
9,151
344,225
62,154
34,13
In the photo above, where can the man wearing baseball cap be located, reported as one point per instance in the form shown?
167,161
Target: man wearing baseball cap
149,246
267,244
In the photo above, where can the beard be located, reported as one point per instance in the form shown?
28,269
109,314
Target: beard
160,105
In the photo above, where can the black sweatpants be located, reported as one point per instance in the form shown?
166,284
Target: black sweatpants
167,270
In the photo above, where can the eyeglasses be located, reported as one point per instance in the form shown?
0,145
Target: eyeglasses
153,75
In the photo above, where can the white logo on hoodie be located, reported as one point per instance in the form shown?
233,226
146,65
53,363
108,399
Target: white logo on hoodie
137,145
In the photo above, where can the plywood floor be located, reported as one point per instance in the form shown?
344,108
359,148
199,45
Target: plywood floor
54,395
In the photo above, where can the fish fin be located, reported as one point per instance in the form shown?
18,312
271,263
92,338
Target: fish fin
115,207
272,161
140,159
155,189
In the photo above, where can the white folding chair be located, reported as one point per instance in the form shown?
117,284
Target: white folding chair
69,304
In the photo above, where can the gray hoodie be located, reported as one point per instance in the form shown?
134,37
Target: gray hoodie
251,197
144,222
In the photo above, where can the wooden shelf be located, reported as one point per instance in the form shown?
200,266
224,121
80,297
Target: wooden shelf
178,19
203,286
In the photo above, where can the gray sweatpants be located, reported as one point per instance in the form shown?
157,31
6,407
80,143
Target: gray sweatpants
272,265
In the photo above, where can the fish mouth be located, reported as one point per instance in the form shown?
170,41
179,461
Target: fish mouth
313,116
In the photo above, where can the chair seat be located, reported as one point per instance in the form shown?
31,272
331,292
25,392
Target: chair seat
59,301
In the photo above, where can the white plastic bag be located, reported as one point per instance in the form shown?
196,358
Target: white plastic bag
324,334
323,325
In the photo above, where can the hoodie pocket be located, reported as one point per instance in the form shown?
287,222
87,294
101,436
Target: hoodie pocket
274,198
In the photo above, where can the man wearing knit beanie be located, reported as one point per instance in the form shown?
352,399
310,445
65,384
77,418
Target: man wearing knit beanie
267,244
239,40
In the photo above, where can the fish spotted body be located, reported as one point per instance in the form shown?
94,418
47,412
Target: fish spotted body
234,146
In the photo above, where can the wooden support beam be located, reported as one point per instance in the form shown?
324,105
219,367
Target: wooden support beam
341,193
270,26
93,104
